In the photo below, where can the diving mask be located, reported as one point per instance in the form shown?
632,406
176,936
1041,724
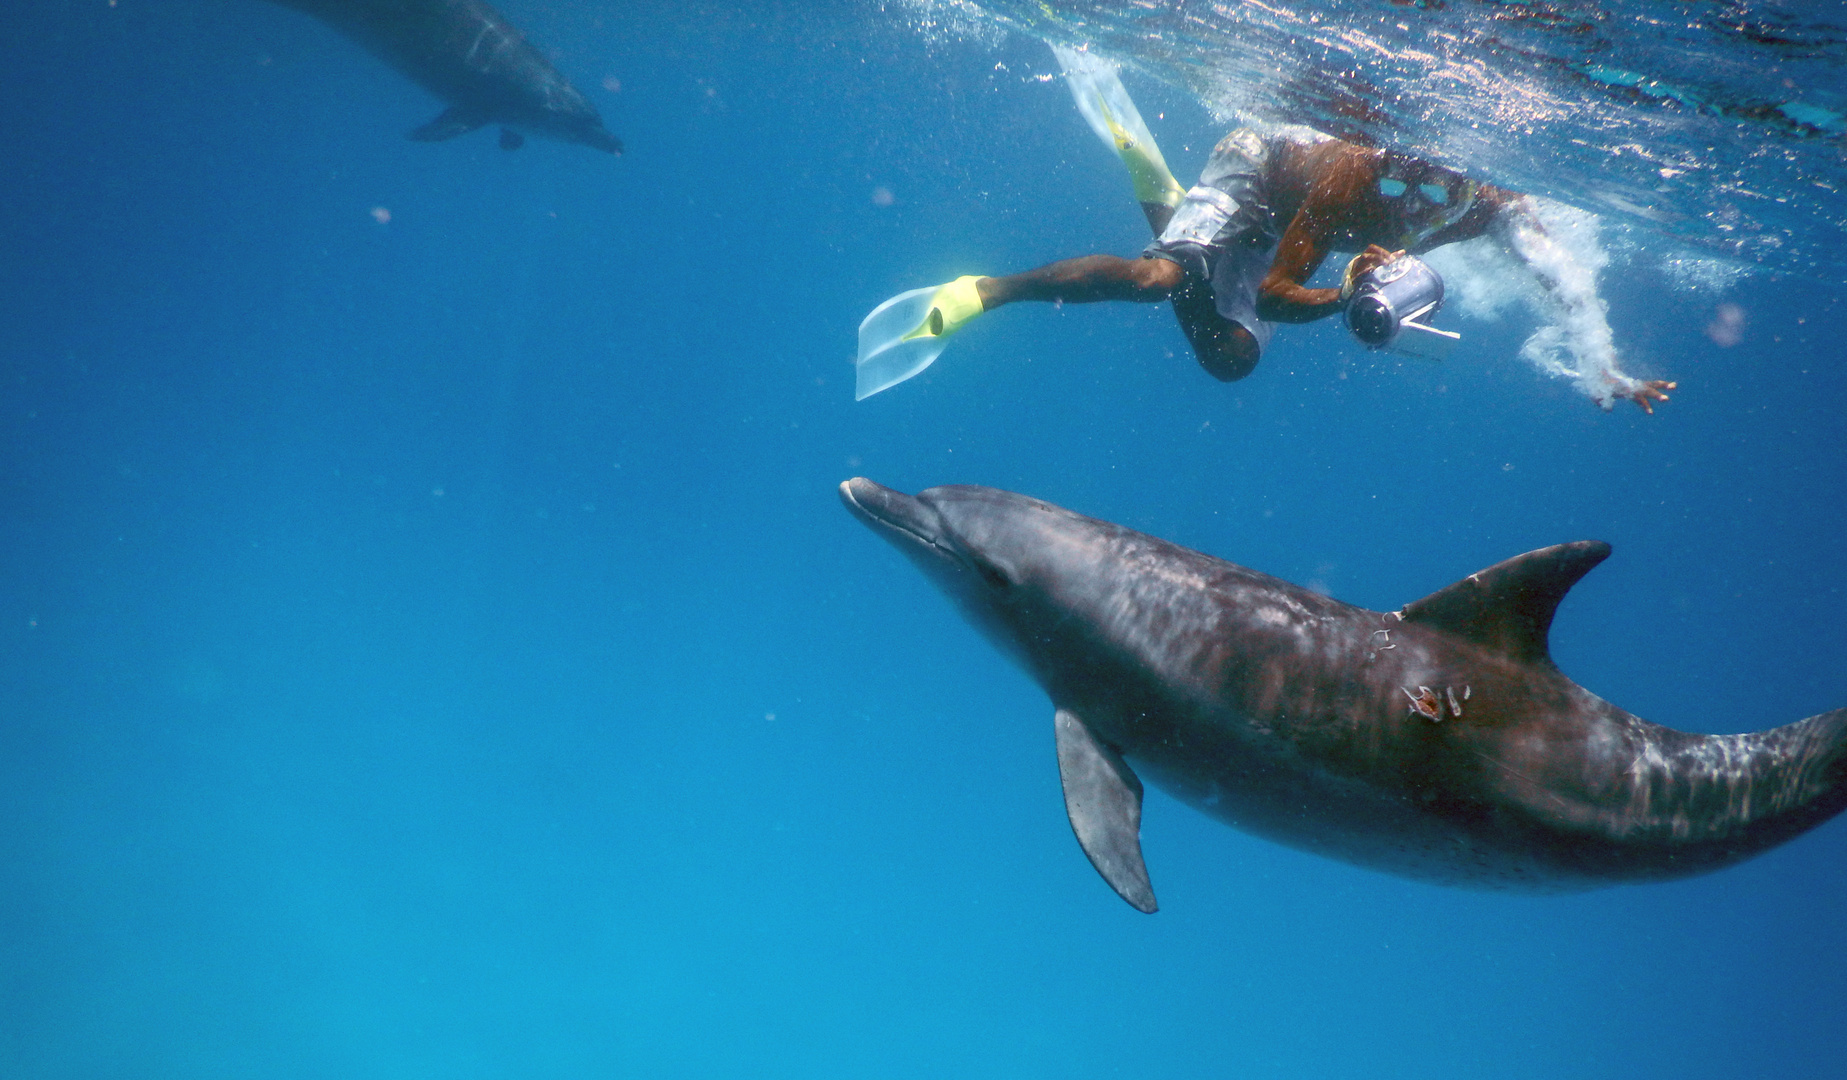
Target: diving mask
1427,199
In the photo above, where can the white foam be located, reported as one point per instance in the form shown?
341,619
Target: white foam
1701,273
949,22
1552,271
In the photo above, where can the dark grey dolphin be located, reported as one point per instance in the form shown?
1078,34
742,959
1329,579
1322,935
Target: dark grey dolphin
469,55
1438,741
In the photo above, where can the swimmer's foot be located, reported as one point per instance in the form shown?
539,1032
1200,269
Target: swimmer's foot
1645,392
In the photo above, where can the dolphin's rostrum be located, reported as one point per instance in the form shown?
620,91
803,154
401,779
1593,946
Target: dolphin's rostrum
1438,741
470,56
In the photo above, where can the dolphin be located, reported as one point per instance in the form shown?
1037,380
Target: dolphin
1438,741
470,56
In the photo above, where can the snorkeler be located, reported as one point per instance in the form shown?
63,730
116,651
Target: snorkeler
1234,253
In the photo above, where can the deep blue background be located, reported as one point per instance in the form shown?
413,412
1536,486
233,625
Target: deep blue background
434,649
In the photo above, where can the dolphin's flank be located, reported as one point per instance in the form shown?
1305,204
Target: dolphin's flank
1438,741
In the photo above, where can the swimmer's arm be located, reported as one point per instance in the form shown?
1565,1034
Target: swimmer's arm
1334,205
1504,218
1282,297
1513,213
1273,297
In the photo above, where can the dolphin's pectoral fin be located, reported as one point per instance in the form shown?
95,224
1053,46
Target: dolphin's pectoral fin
510,139
1103,797
1508,607
453,121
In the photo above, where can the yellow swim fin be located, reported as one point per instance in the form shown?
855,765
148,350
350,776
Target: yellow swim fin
1148,171
952,306
907,333
1112,114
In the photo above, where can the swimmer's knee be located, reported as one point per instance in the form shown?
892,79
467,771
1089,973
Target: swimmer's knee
1225,349
1230,355
1157,277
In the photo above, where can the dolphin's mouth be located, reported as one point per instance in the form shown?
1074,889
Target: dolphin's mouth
895,512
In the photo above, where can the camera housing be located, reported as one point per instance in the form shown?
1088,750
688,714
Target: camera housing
1390,304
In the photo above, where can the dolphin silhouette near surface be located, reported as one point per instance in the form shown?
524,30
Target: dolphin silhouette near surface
1438,741
470,56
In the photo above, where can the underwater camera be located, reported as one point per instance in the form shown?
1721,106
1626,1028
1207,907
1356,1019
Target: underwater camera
1389,306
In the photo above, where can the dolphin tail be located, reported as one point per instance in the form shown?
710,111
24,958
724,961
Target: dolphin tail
1714,800
1701,801
1796,779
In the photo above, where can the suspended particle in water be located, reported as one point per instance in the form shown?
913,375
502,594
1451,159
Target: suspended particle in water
1727,326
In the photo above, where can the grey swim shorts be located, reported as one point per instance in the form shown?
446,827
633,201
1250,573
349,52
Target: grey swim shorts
1223,232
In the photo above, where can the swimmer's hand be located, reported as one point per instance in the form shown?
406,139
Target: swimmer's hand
1373,257
1645,392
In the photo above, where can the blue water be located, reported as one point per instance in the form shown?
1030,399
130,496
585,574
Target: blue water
433,647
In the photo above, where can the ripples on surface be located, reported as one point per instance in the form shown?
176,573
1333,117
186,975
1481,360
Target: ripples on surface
1724,124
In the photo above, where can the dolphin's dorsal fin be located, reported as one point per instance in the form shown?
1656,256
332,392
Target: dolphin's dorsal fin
454,121
1103,798
1508,607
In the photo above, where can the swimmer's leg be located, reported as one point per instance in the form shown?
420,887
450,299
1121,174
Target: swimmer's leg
1086,280
1158,215
1226,350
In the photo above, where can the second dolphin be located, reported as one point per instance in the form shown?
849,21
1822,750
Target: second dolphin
469,55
